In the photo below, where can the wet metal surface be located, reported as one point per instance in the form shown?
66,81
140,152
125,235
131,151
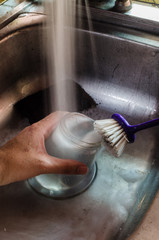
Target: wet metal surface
123,78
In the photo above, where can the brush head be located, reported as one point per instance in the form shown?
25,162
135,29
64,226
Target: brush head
129,130
113,135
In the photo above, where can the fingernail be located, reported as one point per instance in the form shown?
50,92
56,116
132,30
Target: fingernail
82,170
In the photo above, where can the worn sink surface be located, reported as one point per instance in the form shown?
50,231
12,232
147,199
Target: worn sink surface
119,75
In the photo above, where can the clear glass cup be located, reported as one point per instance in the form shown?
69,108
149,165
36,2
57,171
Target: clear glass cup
73,138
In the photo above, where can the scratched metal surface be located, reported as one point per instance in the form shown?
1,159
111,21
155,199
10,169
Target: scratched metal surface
123,78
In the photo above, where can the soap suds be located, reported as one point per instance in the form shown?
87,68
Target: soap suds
123,175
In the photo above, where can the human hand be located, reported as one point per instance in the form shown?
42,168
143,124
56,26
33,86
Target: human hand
25,155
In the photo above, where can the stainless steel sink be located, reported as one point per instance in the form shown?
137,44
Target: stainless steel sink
119,75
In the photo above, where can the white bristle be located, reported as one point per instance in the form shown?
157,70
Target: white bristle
104,124
116,139
113,135
119,147
105,121
112,131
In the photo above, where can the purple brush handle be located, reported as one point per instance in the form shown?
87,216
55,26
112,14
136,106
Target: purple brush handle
130,130
145,125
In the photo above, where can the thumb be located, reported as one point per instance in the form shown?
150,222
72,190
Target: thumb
64,166
47,124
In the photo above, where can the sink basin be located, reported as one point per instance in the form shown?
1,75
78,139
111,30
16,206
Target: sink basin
119,75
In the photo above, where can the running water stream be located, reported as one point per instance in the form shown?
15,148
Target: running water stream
60,47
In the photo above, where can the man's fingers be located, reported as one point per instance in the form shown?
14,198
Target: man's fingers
47,124
64,166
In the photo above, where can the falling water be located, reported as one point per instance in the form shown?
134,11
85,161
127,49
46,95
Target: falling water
61,52
61,47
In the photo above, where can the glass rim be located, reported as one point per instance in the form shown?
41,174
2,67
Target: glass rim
72,137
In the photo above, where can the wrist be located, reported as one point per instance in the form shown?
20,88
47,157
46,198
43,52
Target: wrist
2,168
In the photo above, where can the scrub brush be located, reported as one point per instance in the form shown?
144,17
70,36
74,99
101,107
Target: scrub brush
117,132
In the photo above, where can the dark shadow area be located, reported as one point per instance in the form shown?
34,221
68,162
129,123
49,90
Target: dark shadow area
38,106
